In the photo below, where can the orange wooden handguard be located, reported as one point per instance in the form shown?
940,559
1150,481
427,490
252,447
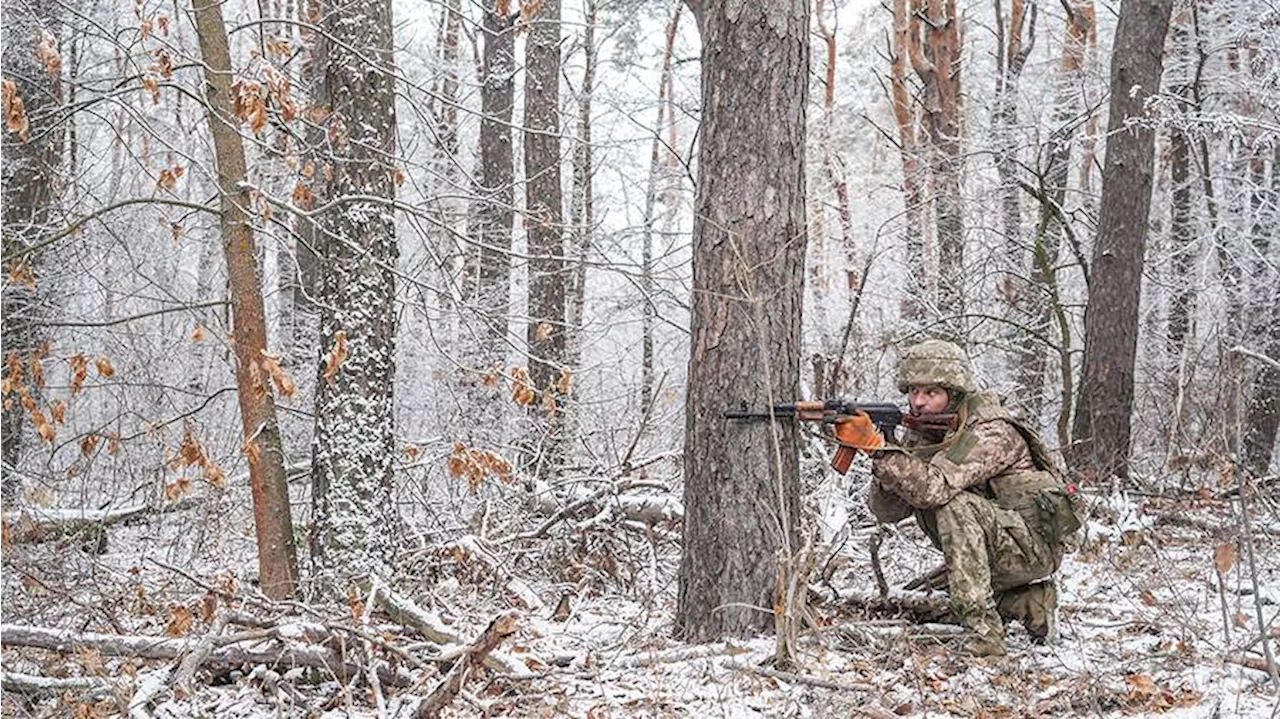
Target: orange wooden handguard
843,458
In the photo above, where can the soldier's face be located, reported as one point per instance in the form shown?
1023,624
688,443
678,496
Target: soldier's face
928,399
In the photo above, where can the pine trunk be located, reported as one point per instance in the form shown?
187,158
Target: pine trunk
741,490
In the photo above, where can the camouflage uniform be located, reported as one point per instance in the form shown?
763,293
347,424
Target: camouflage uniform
977,493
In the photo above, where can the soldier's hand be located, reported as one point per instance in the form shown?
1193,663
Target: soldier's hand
858,431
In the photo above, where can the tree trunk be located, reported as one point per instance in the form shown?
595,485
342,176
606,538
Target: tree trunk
741,487
354,446
581,203
661,175
273,523
1263,415
936,59
1101,431
31,169
905,115
491,214
543,202
1039,310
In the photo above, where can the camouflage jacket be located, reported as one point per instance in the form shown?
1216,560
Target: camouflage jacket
926,476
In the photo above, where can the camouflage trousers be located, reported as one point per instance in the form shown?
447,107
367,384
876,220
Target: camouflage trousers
988,550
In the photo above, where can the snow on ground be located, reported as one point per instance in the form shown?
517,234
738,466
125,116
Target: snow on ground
1146,628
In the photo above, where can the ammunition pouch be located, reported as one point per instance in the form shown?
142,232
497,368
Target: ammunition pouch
1047,506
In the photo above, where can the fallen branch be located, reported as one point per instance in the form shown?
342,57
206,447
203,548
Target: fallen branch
35,524
430,626
226,656
445,692
919,608
1255,663
92,688
469,548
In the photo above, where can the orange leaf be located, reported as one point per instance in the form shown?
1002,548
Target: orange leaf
88,443
283,382
104,367
20,274
1224,557
252,450
180,619
15,115
47,53
58,410
336,356
213,474
176,489
37,371
197,335
562,384
43,428
79,370
190,450
113,443
521,393
302,196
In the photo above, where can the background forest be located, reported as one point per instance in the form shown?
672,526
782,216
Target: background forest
334,329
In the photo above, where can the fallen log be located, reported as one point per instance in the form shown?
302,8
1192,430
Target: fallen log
281,653
793,678
89,688
445,692
37,524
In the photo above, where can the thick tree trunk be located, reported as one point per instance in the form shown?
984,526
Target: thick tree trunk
741,482
543,198
31,168
273,523
354,445
491,214
1101,431
581,203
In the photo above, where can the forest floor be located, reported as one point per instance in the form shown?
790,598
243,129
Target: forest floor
1157,616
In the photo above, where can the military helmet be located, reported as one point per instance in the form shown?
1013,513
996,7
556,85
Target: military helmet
935,362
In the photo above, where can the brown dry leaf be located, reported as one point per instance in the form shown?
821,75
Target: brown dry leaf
502,8
14,363
1224,557
113,443
309,170
20,273
190,450
302,196
104,367
543,331
15,115
1147,598
88,443
252,450
208,607
333,361
548,402
150,85
411,452
37,371
197,334
562,384
180,620
397,176
58,410
91,660
43,428
489,379
213,474
47,52
79,370
283,382
177,488
168,180
521,393
164,63
162,22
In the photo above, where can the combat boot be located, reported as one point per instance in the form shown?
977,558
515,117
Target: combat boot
1036,606
984,645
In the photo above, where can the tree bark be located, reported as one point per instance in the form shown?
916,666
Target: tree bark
32,165
905,115
741,483
354,446
543,198
1101,431
1262,418
491,214
273,522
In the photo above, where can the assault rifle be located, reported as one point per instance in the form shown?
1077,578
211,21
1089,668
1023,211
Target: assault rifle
850,423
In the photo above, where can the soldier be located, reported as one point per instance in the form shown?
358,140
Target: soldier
986,492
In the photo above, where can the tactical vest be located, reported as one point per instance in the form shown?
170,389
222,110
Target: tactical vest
1049,505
